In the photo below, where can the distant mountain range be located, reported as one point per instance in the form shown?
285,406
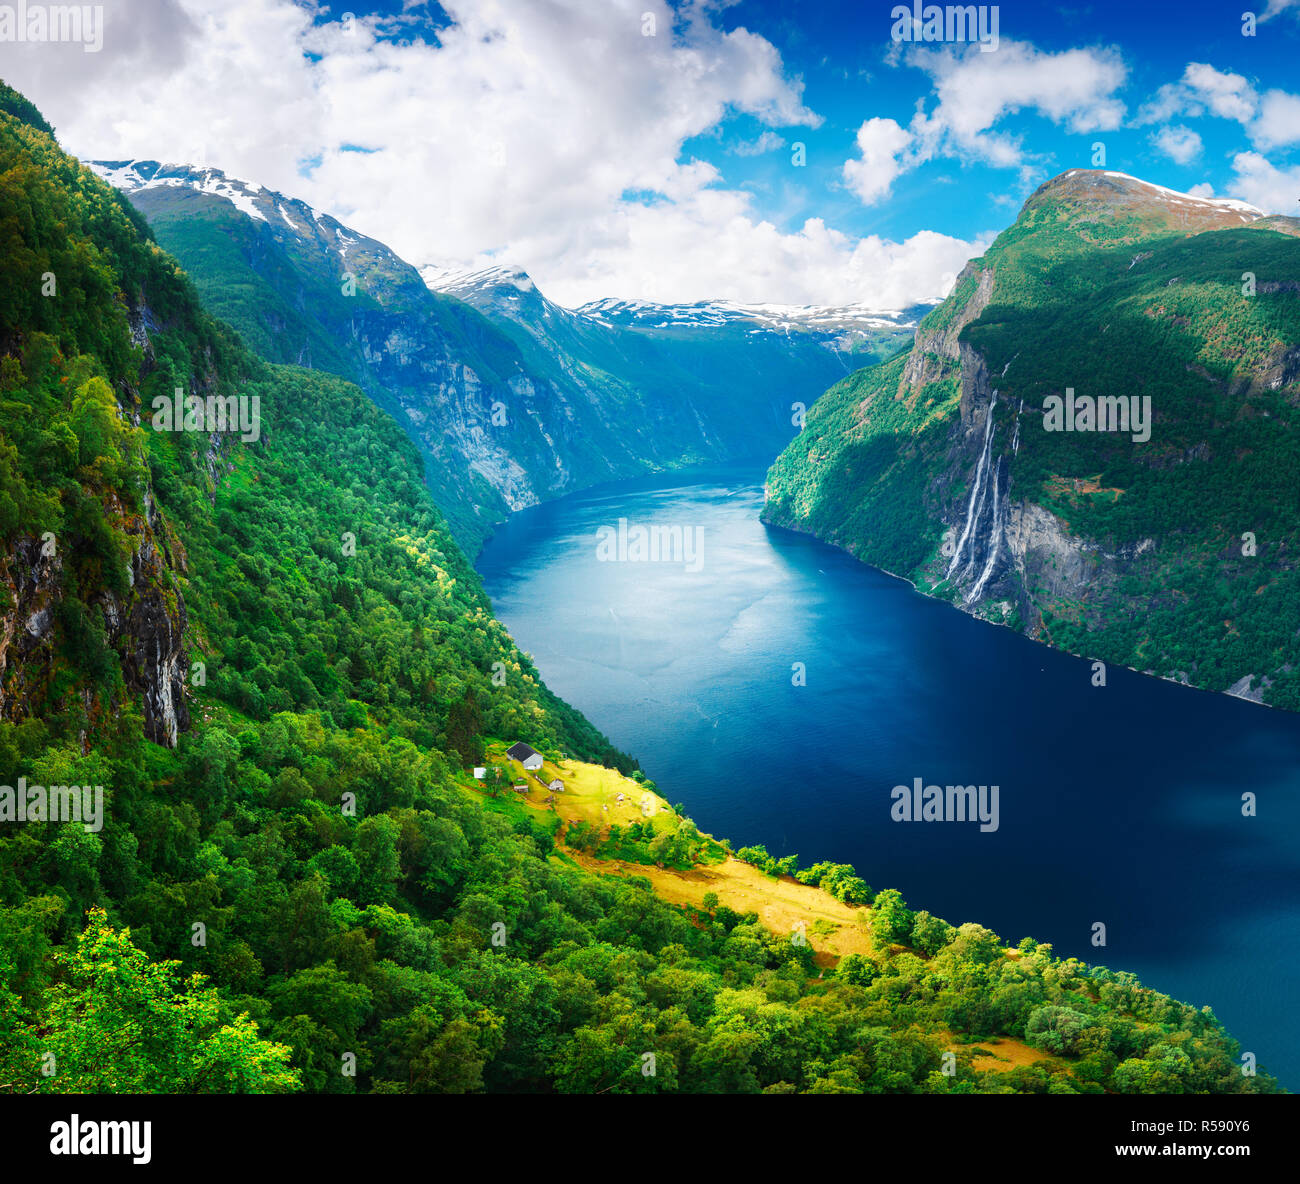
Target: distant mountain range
511,398
1095,438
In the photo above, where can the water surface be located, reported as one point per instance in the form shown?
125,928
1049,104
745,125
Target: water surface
1120,804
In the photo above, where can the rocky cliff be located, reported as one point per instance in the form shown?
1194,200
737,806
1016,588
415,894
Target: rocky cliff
511,399
1167,547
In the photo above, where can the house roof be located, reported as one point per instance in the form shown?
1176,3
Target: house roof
519,751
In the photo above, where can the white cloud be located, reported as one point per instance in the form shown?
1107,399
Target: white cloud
1179,143
768,141
1227,95
1278,122
880,144
1074,88
1276,7
975,91
516,134
1271,120
1263,184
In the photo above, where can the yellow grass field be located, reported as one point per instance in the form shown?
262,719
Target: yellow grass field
591,794
832,928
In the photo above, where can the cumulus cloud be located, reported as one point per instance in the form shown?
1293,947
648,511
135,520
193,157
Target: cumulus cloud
880,143
1179,143
1260,182
1271,120
1075,88
548,134
1225,94
1278,122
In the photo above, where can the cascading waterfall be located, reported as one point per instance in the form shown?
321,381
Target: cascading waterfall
995,537
976,504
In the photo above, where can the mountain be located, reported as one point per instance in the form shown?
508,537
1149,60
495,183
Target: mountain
973,466
508,293
302,885
510,398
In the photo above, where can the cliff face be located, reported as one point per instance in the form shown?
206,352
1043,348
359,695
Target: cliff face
1156,547
150,630
96,323
145,626
511,399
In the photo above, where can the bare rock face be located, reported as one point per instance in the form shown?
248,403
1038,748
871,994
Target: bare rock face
152,640
32,574
936,349
146,629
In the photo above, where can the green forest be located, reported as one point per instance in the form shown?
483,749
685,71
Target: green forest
1205,515
305,893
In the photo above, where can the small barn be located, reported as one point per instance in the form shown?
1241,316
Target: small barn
555,785
522,787
529,757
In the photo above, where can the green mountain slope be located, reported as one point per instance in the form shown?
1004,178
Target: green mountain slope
318,895
1168,547
511,399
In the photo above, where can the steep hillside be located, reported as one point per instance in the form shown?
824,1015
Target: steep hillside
511,399
311,890
974,465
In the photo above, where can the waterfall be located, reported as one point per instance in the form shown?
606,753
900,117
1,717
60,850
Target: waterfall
1015,437
976,504
995,537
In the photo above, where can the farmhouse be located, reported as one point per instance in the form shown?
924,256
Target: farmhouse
530,758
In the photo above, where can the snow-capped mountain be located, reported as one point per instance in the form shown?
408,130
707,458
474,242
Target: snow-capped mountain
284,217
784,318
511,398
509,288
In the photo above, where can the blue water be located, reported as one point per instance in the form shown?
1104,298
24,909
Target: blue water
1119,804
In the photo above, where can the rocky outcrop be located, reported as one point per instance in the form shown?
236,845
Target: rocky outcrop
145,628
152,636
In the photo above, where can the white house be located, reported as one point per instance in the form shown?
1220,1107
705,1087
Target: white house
530,758
479,774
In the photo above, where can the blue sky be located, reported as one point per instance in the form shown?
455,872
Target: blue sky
840,49
614,159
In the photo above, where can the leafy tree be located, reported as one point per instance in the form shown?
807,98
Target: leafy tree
118,1023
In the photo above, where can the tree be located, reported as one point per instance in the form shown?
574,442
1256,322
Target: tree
891,919
856,970
931,934
119,1023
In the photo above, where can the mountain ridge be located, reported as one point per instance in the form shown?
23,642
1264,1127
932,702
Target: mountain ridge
944,468
511,398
